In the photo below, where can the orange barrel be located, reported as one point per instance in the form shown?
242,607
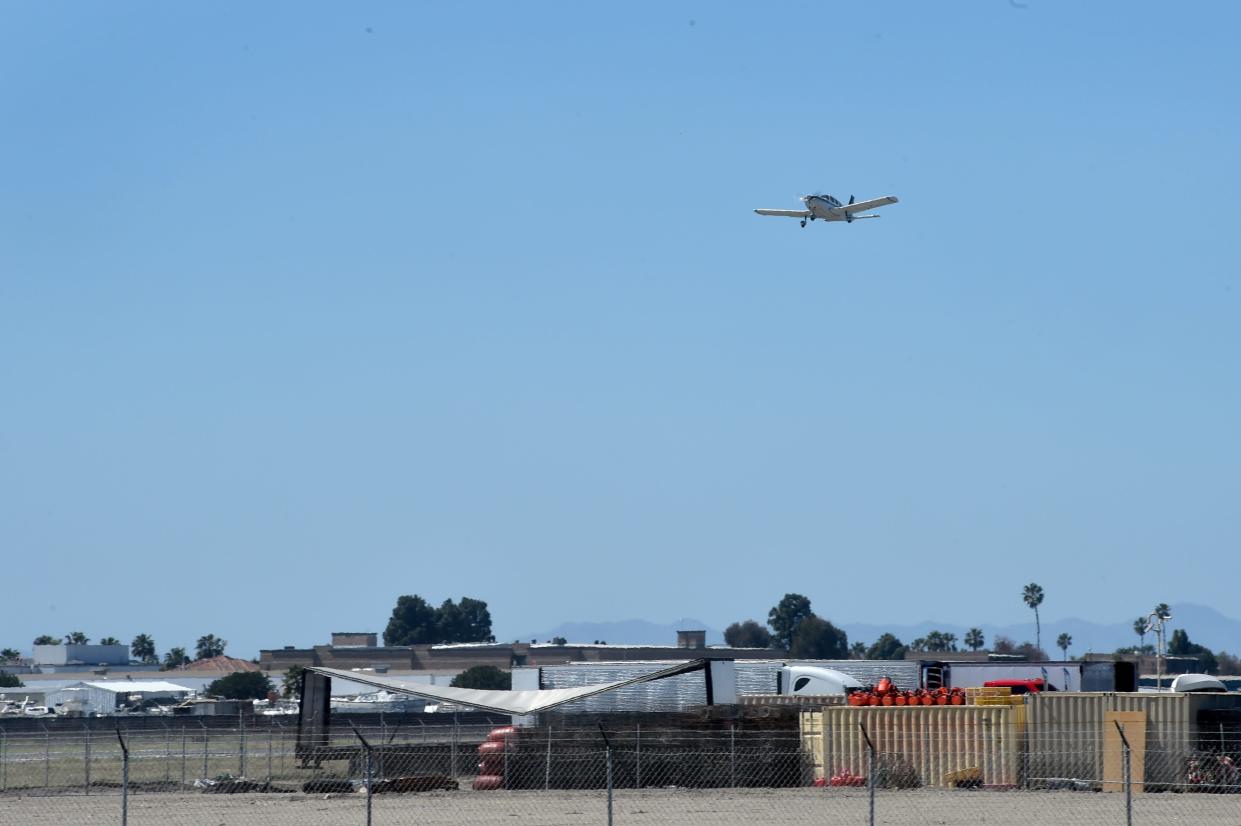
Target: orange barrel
490,747
487,782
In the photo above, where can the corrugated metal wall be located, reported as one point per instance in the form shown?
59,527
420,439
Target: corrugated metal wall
1065,737
678,693
930,741
670,694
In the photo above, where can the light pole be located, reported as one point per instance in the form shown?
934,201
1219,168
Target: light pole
1155,622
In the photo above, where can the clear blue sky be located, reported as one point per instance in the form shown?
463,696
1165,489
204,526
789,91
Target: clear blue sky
304,307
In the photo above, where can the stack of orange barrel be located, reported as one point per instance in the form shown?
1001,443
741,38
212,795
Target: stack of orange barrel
491,754
884,693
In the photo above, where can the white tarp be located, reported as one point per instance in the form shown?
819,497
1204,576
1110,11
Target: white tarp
530,701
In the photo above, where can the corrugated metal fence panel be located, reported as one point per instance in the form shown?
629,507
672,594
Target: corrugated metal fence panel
670,694
759,676
929,742
1066,732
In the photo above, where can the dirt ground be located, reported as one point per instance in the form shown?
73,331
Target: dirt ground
721,807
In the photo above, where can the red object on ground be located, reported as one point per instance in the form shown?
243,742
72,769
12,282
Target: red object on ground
488,782
1033,686
490,747
847,778
502,733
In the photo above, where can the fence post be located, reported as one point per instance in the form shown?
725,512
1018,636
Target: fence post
383,739
124,778
86,759
870,773
637,748
1125,757
506,761
184,756
167,753
282,744
547,769
452,753
366,748
4,761
608,751
47,757
732,752
241,723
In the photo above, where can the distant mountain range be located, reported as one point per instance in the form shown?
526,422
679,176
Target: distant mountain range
1204,624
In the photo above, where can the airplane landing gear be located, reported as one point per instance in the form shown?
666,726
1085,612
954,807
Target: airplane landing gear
803,223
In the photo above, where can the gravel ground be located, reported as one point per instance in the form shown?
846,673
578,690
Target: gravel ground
717,807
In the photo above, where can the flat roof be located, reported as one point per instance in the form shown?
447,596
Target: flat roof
136,686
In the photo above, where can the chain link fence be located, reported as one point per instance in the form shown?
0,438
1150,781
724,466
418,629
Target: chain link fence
732,774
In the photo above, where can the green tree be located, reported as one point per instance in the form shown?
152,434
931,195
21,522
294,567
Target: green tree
475,621
413,621
174,658
747,634
142,648
9,655
1032,596
1063,642
1179,645
109,641
77,638
786,616
467,621
887,647
1163,611
857,650
974,639
47,639
8,680
209,646
241,685
486,677
935,641
817,639
1139,628
291,683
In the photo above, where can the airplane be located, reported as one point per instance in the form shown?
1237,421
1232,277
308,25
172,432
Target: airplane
827,208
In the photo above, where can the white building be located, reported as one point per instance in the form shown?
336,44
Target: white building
110,696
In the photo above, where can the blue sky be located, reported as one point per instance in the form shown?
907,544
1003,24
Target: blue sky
304,307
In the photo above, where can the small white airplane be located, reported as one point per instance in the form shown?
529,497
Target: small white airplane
827,208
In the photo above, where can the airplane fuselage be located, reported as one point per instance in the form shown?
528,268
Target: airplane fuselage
825,207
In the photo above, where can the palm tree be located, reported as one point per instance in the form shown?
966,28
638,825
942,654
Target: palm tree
9,655
1032,595
1139,628
77,638
209,646
1063,642
47,639
143,648
174,658
974,639
1163,611
109,641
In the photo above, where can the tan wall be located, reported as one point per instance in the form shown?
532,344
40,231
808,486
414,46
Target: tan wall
933,741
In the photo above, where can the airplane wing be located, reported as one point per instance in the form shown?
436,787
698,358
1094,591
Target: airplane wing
873,203
785,213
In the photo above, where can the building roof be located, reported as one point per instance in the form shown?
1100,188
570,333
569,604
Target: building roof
136,686
220,664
